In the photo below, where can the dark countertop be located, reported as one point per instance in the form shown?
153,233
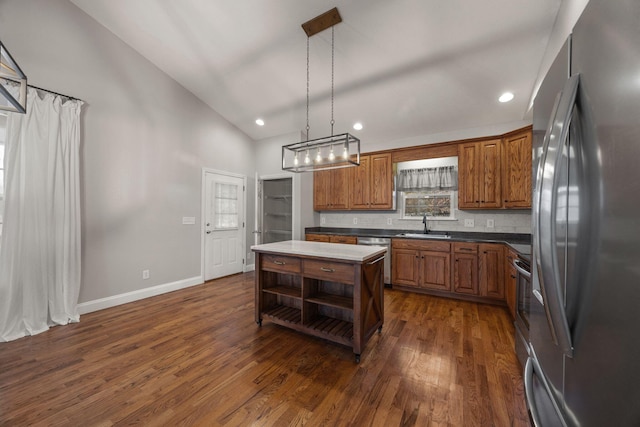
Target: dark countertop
518,241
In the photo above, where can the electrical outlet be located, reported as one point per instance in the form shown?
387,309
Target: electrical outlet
323,220
145,274
469,223
490,223
355,221
389,221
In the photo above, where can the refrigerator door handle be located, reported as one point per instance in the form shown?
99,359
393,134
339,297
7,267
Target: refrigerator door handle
531,368
546,209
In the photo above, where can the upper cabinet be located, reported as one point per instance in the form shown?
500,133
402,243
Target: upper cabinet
479,170
371,184
516,161
331,189
496,173
368,186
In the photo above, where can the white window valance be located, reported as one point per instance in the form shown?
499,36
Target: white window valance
440,178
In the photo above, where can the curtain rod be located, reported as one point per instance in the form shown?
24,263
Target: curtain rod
56,93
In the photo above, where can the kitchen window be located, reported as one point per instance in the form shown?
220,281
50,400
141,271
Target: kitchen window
436,205
428,188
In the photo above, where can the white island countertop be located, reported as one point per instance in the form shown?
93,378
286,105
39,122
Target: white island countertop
338,251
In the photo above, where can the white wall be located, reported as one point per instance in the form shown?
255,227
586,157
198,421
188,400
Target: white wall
145,140
568,15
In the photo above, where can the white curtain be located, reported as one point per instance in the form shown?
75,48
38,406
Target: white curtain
440,178
40,243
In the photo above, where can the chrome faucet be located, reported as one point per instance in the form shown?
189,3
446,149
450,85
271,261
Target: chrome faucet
425,222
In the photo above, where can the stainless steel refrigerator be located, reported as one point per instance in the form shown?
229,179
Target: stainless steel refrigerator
584,363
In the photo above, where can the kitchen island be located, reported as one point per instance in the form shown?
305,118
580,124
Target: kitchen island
329,290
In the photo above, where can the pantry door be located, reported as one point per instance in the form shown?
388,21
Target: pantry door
224,224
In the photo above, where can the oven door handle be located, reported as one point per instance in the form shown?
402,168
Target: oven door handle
521,269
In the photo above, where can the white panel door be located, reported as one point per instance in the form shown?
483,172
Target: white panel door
224,225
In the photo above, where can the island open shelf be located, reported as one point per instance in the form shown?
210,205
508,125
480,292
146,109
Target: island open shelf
328,290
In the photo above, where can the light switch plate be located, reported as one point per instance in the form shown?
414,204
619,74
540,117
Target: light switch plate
355,221
469,223
389,221
490,223
188,220
323,220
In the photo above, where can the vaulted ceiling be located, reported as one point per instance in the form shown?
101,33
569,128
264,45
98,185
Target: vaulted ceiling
403,68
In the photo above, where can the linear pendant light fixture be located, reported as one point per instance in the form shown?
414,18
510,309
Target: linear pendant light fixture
13,84
329,152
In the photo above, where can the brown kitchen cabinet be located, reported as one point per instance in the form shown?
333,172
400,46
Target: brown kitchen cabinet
510,281
516,166
371,183
331,189
421,265
331,238
479,169
491,270
465,268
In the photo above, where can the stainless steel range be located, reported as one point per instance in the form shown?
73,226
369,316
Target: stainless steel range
523,307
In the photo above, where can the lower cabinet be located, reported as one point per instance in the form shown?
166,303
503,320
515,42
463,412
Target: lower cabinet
457,269
421,264
465,268
510,282
331,238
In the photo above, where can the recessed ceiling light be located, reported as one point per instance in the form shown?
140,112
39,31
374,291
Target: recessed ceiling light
260,122
506,97
357,126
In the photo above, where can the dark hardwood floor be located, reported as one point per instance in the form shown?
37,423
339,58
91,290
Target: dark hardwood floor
196,357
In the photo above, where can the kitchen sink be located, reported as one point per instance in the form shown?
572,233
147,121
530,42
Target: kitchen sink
424,236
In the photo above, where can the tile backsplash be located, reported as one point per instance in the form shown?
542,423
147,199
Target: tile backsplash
511,221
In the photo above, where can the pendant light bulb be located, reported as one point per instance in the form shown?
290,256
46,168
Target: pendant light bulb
332,156
345,153
307,160
295,159
318,157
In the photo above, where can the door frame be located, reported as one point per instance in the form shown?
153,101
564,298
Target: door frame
295,190
203,195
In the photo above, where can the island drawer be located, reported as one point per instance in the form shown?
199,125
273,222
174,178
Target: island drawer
280,263
329,270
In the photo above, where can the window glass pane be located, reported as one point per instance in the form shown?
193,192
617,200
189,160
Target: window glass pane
434,204
226,206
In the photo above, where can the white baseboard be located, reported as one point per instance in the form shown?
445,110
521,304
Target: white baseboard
249,267
112,301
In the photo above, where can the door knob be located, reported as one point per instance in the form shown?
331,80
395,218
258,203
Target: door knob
208,231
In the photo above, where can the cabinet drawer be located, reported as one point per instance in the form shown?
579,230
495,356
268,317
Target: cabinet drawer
317,238
421,245
465,248
350,240
329,270
280,263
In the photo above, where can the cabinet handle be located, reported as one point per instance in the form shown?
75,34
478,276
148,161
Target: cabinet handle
328,270
466,249
513,277
279,262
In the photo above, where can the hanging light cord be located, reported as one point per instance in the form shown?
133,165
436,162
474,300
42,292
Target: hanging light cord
308,128
332,62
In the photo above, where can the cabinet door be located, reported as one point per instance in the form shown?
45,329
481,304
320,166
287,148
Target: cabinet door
510,283
467,179
381,181
435,270
359,184
339,194
405,267
516,159
490,168
491,270
321,190
465,273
